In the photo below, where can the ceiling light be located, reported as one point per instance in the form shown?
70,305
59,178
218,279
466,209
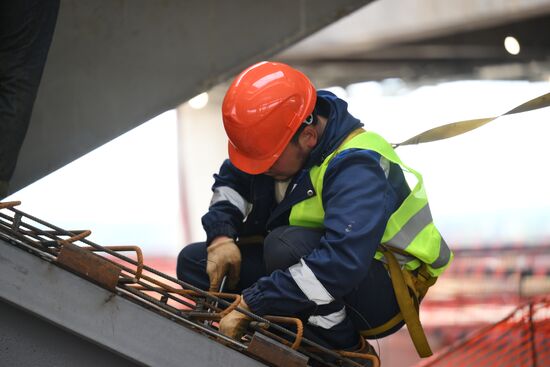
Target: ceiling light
199,101
511,45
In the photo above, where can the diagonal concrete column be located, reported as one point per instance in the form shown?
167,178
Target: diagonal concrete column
115,64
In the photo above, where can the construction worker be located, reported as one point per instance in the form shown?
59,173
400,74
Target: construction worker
300,209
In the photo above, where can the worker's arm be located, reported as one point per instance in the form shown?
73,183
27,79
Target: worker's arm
231,215
228,207
230,204
358,201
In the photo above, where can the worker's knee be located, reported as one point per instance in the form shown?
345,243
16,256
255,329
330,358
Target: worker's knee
284,246
191,266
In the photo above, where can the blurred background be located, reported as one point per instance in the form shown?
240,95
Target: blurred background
132,160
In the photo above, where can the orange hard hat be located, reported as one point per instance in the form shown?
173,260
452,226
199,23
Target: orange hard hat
262,109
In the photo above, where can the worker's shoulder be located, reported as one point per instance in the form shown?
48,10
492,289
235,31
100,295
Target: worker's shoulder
354,156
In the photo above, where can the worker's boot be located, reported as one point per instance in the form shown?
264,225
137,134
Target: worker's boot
364,354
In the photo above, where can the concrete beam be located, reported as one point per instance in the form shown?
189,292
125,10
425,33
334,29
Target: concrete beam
388,22
115,64
115,327
28,340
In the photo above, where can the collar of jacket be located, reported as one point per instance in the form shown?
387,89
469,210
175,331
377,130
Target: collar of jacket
340,123
299,189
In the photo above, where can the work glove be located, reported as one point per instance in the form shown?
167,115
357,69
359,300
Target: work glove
224,258
234,324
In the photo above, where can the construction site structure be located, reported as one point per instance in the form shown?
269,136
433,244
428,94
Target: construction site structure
65,298
522,339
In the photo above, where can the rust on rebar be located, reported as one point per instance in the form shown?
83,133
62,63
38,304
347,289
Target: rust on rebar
232,306
9,204
79,236
198,305
136,249
275,353
89,265
234,298
370,355
366,356
290,320
203,316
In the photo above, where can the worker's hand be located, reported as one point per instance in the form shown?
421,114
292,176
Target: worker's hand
234,324
224,258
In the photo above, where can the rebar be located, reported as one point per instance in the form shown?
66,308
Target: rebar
192,301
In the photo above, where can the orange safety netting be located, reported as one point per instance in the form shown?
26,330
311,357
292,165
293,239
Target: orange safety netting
522,339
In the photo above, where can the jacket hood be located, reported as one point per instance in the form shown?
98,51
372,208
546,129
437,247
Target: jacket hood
340,123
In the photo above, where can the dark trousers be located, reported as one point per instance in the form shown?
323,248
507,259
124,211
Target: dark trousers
369,305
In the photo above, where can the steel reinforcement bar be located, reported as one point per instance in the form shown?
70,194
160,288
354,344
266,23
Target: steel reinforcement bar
177,300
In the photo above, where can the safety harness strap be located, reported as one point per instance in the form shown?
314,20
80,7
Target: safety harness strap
408,296
384,327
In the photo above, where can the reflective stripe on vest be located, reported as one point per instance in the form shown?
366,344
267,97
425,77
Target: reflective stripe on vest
410,229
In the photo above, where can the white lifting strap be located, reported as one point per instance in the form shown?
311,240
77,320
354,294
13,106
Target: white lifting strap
461,127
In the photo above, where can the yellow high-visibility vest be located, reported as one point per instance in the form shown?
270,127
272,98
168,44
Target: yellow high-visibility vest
410,232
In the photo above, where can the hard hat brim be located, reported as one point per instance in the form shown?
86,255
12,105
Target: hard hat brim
248,165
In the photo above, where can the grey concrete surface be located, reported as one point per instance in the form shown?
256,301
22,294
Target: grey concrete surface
99,320
27,340
115,64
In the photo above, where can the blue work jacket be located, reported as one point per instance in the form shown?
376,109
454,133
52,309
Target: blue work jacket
357,189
